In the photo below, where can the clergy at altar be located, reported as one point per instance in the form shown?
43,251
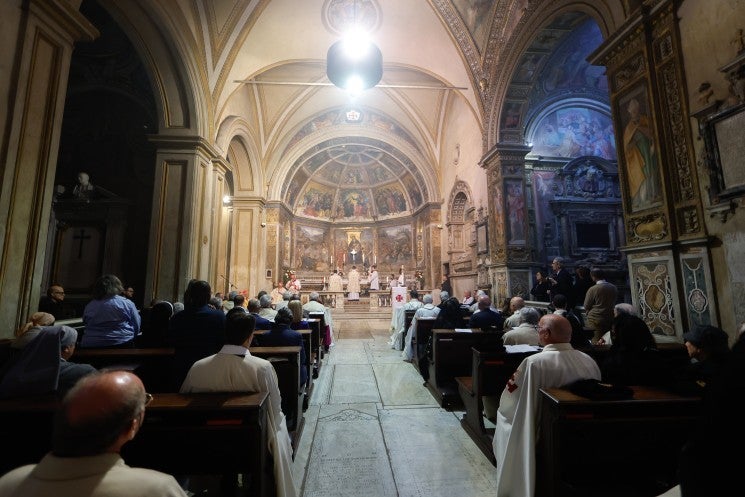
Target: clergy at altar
234,369
335,282
374,278
353,284
515,435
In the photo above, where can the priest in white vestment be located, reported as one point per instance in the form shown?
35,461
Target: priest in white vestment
374,278
397,338
234,369
353,284
516,433
335,283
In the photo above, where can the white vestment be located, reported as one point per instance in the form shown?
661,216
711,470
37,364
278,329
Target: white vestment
374,280
227,372
335,284
516,432
397,338
353,285
314,306
426,311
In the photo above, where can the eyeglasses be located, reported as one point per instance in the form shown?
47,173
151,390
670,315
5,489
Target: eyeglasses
148,398
58,293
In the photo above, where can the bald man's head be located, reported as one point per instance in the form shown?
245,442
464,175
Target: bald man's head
516,303
553,328
99,414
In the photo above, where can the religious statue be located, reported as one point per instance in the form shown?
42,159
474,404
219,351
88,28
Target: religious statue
84,188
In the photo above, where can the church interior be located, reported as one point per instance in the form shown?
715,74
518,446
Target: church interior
169,140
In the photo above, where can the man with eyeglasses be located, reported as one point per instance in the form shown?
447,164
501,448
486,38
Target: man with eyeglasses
53,303
101,413
515,435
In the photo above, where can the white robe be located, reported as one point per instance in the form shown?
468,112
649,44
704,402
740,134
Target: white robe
335,283
426,311
516,432
374,280
226,372
353,285
397,339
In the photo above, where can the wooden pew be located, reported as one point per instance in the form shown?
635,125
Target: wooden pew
419,343
491,367
181,434
408,316
321,316
610,448
286,362
306,335
451,357
153,367
316,341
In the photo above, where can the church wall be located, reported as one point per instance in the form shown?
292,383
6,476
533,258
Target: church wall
10,13
709,40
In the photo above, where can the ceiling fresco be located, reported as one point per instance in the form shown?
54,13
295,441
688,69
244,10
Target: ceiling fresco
355,179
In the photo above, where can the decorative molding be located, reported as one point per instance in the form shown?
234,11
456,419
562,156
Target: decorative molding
670,85
647,228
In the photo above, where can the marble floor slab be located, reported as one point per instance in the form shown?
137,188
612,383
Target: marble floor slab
373,430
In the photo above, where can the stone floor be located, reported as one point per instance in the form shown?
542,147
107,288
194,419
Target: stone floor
373,430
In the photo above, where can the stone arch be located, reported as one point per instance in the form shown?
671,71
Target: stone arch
234,139
459,218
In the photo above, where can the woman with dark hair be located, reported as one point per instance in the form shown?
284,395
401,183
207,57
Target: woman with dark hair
450,316
633,358
111,321
541,287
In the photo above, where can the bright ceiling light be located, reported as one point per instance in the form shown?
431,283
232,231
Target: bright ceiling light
354,61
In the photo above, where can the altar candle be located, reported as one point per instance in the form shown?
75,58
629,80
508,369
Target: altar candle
332,259
375,259
345,258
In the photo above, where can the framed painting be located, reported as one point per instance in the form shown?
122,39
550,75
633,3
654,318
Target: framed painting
639,145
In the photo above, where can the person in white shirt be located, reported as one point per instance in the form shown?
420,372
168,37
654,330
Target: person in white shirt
109,409
557,365
516,303
467,298
234,369
353,284
396,341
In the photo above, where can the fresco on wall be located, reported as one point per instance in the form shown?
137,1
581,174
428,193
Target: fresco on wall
526,69
311,250
412,188
515,199
316,201
378,174
354,204
353,176
568,66
511,115
543,193
294,187
573,132
640,150
390,200
475,15
353,247
394,245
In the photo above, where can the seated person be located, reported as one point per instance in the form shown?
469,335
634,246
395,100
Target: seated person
96,418
261,323
399,319
515,435
266,312
298,322
234,369
450,315
426,310
111,321
281,334
579,339
526,331
485,318
315,304
155,326
709,352
42,366
30,330
195,332
516,303
54,303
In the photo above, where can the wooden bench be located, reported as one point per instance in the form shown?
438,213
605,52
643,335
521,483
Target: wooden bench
612,447
306,336
316,341
452,357
286,362
181,434
153,367
491,367
321,316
